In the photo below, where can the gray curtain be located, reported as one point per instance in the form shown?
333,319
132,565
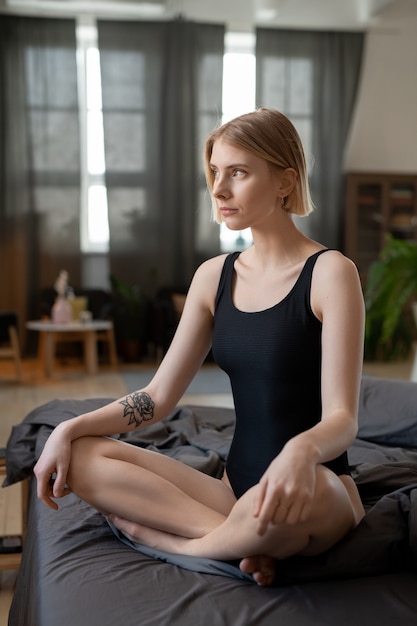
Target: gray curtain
39,159
161,85
312,77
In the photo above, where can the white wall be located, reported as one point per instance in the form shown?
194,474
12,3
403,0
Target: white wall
383,134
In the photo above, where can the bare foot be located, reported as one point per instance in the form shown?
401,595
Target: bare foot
261,567
149,536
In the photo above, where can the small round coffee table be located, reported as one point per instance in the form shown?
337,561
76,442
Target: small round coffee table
87,332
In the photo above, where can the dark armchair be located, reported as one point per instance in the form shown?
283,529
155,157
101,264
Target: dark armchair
9,340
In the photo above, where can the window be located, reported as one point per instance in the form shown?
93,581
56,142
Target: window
94,216
239,75
288,87
238,97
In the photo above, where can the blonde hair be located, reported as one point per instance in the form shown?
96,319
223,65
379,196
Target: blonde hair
269,135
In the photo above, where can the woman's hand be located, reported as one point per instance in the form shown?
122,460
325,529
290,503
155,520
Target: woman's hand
52,468
286,490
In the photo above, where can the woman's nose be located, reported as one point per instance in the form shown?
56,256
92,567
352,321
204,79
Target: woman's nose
220,188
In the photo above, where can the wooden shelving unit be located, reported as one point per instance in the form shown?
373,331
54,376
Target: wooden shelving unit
377,205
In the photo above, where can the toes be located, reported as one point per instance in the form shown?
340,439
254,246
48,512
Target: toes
247,565
263,579
262,569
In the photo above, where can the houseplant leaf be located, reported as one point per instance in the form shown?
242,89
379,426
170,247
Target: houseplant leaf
390,289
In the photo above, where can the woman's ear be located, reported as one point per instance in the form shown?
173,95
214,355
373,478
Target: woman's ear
288,179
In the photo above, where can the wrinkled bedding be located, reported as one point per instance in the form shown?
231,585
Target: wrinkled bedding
75,570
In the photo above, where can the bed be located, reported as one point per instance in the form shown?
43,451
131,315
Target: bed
75,572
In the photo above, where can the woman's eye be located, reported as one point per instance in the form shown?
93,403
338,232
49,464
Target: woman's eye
238,173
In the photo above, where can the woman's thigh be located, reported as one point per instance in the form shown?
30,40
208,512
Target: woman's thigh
203,488
331,518
333,514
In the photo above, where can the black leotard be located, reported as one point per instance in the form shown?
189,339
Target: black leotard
273,359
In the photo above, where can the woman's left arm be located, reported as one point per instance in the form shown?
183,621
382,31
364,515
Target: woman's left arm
337,301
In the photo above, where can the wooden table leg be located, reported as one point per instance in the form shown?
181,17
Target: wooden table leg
90,352
112,347
49,352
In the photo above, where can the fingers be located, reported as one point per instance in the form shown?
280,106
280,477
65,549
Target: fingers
265,506
259,498
274,513
279,509
288,513
49,487
59,488
45,493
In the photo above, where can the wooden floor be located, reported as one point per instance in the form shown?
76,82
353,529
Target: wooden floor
16,400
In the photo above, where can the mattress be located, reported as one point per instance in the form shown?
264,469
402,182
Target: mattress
76,572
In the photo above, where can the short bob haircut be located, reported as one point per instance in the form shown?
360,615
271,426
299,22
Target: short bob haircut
269,135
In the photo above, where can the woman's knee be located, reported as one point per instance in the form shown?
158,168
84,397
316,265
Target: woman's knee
330,490
331,518
84,452
333,515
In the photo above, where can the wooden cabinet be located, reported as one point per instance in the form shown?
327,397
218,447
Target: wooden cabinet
377,205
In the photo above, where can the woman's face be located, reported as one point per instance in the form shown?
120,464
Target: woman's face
246,190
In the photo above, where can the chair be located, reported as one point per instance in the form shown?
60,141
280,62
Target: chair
11,560
9,341
168,306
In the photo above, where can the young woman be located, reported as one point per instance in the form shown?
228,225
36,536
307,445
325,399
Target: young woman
285,320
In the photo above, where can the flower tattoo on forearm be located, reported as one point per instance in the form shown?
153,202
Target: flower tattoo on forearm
138,408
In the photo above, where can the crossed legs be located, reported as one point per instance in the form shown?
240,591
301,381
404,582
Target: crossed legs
163,503
147,487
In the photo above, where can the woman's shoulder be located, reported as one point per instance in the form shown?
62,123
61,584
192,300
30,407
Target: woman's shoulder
335,272
334,262
212,268
206,280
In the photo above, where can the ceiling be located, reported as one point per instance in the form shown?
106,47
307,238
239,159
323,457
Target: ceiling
238,15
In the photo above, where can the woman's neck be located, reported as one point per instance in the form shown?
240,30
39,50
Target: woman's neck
283,245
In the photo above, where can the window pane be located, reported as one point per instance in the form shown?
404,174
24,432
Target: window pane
126,68
61,151
300,87
126,142
238,84
42,90
273,90
239,72
231,240
98,225
95,143
305,130
93,79
58,229
132,225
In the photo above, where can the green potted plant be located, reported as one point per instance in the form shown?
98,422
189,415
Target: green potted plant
130,319
391,292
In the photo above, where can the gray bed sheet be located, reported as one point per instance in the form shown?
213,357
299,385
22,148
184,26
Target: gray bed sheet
76,572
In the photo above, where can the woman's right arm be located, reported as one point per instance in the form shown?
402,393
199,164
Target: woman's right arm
146,406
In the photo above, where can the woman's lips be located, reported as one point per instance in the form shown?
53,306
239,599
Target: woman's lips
226,211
